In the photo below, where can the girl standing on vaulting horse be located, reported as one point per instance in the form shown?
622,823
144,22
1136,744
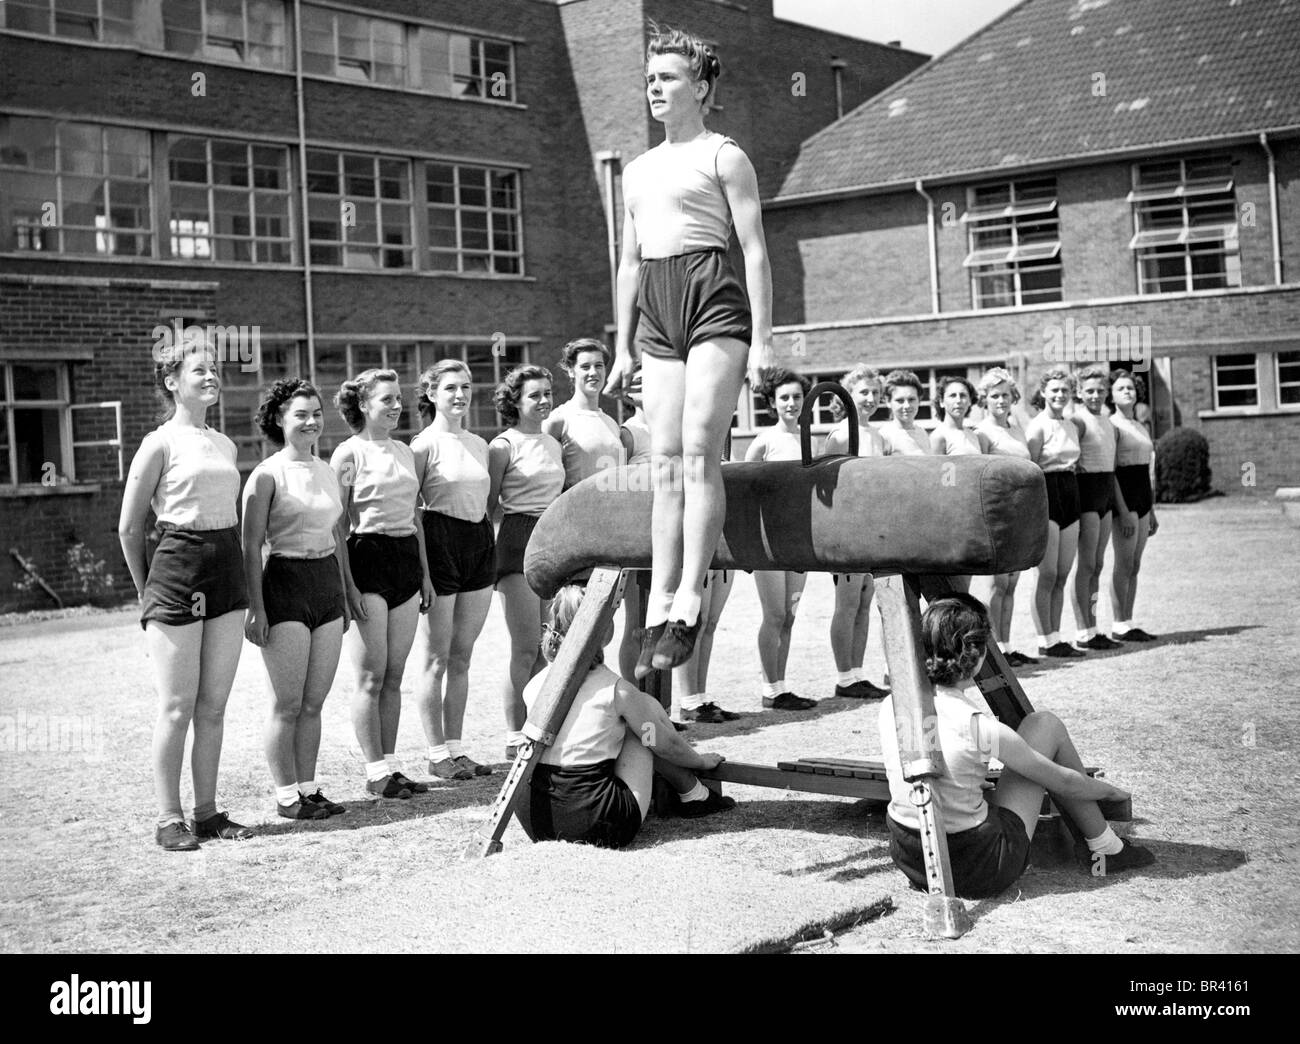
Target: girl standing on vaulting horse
693,328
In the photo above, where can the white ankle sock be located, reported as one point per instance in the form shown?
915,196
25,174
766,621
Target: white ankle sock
1120,626
1107,843
286,796
393,764
439,753
846,677
771,689
697,793
1085,635
308,788
686,607
455,748
693,702
376,770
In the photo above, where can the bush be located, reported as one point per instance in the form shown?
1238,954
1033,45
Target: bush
1182,467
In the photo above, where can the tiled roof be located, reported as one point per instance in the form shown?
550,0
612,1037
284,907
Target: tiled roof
1056,79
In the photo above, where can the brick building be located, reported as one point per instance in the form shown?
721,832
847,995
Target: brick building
1079,171
331,186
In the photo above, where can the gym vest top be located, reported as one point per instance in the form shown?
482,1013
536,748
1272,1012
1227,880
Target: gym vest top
455,480
1097,443
534,475
905,442
304,509
590,442
593,731
1135,446
959,790
965,444
674,194
199,485
780,445
384,486
640,431
870,444
1005,442
1060,450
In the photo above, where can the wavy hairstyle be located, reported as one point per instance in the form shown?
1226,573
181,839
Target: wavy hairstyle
991,379
901,379
701,57
955,633
429,381
941,388
861,374
353,393
1055,373
776,376
281,393
564,607
570,352
509,391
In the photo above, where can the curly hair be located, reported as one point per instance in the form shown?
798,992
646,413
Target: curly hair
429,381
901,379
1056,373
570,352
564,607
506,397
991,379
776,376
1139,386
941,388
955,633
701,57
861,374
1095,372
352,395
280,394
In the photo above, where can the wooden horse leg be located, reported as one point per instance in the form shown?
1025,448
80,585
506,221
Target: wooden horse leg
546,718
922,761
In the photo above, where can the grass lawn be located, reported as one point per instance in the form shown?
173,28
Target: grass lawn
1202,727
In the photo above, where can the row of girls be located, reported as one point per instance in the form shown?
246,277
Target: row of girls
387,548
1095,452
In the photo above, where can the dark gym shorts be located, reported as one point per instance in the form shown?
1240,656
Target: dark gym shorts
302,590
1095,489
388,566
1062,497
462,555
687,299
1135,484
195,574
512,542
986,859
588,805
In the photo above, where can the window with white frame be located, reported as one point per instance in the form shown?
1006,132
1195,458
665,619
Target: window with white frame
474,219
243,386
1185,225
74,188
354,47
228,200
1014,234
254,32
1236,381
1288,379
35,447
104,21
359,210
458,66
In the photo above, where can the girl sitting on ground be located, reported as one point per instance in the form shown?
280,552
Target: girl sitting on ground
593,784
988,838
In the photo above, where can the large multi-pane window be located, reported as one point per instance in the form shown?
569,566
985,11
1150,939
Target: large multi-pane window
359,210
455,65
353,47
243,385
250,31
473,215
1236,381
228,200
74,188
106,21
33,421
1015,243
1185,225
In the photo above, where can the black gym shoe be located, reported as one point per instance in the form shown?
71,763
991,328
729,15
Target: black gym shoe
176,837
1130,857
318,799
388,787
1098,643
222,828
788,701
709,714
676,644
1062,651
303,808
475,769
449,768
1136,634
410,784
649,639
1019,659
715,802
861,690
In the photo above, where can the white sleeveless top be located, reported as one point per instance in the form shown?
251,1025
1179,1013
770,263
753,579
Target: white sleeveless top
1060,450
1005,442
905,442
870,443
1097,444
199,485
967,747
534,475
455,480
593,731
640,431
384,486
674,194
779,445
964,444
1135,445
305,508
590,442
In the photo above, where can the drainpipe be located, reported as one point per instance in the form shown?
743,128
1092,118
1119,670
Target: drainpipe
1272,202
302,192
609,163
934,247
838,65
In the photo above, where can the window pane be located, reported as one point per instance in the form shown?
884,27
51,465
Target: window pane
182,25
229,163
35,382
38,441
322,172
81,149
359,176
27,143
32,16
